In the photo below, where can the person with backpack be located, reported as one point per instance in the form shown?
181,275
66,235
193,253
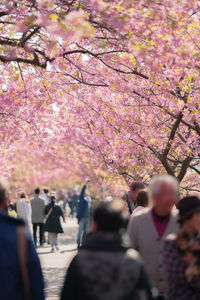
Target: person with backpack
53,224
20,276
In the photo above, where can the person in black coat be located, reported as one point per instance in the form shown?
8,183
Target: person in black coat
53,224
106,268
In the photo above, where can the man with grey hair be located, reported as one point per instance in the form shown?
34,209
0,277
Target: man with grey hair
21,276
149,228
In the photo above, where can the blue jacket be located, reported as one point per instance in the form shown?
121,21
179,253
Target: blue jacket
10,275
85,205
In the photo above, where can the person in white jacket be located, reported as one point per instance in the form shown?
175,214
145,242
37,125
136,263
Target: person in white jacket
24,211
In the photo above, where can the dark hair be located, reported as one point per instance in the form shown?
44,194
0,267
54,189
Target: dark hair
3,189
53,198
137,185
2,194
23,196
110,216
11,206
142,198
46,191
37,191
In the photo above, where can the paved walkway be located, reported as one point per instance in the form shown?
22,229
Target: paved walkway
55,264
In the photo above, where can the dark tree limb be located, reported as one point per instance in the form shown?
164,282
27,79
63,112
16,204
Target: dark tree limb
172,135
184,168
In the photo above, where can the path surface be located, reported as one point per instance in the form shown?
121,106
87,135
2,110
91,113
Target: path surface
55,264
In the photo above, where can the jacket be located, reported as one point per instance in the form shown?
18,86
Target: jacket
179,288
85,205
145,239
38,207
24,213
53,224
106,269
10,274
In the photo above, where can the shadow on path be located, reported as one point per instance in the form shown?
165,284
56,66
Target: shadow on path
54,279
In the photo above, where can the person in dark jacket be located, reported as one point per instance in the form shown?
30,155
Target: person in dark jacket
20,275
83,214
106,268
53,224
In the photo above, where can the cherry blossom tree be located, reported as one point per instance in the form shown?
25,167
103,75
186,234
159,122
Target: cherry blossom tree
116,82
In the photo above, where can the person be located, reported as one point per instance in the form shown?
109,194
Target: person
142,201
130,197
21,276
38,208
105,268
45,195
24,211
53,224
180,252
149,228
83,214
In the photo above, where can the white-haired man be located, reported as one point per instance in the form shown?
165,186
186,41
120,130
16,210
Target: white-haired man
147,230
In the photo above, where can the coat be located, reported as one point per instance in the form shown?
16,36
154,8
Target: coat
38,207
84,206
106,269
24,213
53,223
10,274
179,288
145,239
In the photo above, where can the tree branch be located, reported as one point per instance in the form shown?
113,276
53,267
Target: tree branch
184,168
172,135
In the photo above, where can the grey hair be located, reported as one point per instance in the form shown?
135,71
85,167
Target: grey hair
158,181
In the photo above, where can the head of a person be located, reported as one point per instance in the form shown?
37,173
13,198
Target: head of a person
53,199
189,213
110,216
142,198
4,198
135,187
37,191
22,196
163,192
46,191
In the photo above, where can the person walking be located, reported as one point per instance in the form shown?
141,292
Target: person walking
106,268
53,224
149,228
83,214
38,208
130,197
45,195
182,253
24,211
21,275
